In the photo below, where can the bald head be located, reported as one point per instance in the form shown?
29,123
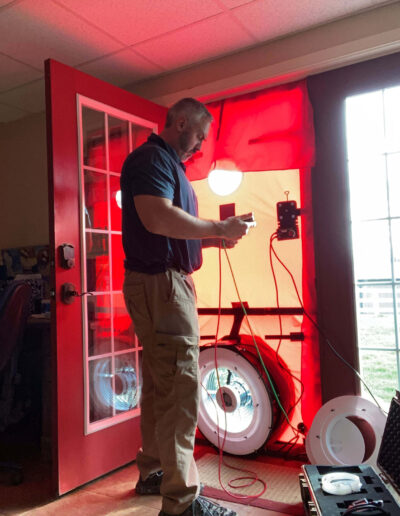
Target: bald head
191,109
186,127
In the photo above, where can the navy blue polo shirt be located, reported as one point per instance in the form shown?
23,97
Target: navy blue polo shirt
154,168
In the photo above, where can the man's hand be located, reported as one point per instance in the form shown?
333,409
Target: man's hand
233,228
229,244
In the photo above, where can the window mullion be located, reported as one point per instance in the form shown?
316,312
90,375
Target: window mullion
395,318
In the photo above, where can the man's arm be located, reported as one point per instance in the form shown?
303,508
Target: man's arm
158,215
217,242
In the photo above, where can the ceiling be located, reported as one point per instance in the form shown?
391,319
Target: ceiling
125,41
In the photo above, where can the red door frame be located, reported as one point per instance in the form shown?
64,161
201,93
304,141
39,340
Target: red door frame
77,458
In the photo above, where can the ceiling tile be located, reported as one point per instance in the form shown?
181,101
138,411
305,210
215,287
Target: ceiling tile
268,19
121,68
4,3
9,113
14,73
30,97
202,41
46,30
133,21
230,4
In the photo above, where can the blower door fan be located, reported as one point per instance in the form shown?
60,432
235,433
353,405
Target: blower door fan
122,393
238,399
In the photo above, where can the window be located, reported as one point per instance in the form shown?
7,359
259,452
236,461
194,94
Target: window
111,349
373,154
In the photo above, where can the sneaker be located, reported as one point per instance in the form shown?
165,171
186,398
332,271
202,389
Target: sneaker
203,507
151,485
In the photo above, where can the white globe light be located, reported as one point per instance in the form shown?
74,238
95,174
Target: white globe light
224,182
118,198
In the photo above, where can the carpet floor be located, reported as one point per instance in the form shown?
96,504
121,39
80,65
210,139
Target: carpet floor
282,493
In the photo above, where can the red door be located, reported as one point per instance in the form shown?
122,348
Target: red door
91,127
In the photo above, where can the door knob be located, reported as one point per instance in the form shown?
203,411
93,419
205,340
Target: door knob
69,293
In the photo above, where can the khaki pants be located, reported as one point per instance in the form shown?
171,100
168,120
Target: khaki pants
163,310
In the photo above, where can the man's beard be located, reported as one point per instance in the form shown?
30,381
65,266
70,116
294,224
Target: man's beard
186,151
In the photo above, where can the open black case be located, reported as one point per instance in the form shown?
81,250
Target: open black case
318,502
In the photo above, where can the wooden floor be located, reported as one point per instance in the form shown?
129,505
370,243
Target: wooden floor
112,494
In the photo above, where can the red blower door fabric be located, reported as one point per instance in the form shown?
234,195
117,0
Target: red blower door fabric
265,131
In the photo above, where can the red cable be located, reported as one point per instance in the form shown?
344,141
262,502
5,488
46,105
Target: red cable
254,477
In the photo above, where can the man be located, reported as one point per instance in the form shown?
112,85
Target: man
162,238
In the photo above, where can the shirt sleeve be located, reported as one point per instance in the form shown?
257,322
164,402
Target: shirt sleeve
153,175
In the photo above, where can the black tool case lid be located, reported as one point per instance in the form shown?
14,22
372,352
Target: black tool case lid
389,452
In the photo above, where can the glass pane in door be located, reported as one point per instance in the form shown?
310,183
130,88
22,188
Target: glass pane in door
118,134
93,136
115,203
101,389
99,324
96,215
139,134
97,262
124,334
117,261
126,388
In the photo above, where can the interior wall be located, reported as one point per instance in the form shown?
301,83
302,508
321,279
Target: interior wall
331,207
23,183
